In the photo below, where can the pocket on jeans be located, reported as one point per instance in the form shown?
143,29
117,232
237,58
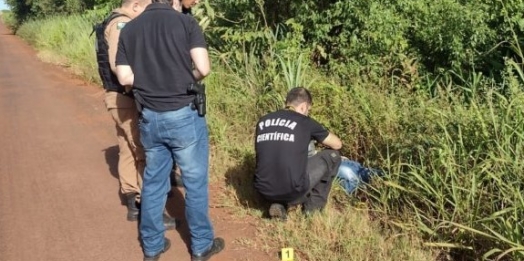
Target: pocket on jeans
182,132
145,132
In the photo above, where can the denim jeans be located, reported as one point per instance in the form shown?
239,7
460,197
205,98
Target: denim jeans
351,174
182,136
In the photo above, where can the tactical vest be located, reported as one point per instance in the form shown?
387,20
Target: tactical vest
109,79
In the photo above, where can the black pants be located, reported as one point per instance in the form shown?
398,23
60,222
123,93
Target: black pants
321,169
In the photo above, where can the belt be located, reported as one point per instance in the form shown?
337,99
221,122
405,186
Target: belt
129,94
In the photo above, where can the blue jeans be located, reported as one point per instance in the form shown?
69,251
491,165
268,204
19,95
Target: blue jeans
351,174
182,136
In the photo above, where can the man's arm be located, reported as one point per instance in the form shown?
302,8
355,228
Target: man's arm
201,62
198,50
319,133
125,75
332,141
112,34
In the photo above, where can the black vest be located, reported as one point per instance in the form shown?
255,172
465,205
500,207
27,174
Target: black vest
109,79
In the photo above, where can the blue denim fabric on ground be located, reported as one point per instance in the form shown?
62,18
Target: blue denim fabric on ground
182,136
351,174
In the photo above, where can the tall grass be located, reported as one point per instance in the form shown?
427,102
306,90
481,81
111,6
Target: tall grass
66,41
463,180
454,159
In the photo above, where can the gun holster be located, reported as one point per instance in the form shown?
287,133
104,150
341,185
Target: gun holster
199,103
136,97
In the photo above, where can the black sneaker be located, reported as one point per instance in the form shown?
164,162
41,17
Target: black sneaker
278,211
167,245
218,245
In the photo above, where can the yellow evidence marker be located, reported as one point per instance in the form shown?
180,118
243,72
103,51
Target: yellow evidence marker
287,254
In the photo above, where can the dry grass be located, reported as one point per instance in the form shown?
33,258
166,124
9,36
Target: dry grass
342,232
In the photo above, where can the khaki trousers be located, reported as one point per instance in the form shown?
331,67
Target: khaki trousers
131,161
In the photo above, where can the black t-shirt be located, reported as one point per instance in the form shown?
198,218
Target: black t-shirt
281,145
157,45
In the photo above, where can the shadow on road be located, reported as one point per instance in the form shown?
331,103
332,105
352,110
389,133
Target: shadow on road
111,156
175,206
240,177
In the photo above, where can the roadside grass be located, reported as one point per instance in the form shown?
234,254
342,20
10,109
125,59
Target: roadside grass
7,17
65,41
345,231
345,234
454,159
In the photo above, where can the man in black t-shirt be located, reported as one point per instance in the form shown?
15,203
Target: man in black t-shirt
284,173
161,53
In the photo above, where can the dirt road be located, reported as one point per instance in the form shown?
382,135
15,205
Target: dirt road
58,188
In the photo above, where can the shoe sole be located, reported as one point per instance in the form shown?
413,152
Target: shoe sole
277,212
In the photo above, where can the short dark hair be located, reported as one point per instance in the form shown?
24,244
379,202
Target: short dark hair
167,2
298,95
127,2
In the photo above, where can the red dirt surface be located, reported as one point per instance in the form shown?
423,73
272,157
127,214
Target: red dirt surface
59,196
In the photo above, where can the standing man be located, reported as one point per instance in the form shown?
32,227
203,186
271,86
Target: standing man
284,173
121,106
156,54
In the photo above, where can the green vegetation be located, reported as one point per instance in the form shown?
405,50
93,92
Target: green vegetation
54,35
7,18
23,11
430,91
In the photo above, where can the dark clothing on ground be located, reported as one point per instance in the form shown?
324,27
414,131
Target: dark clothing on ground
322,169
168,49
283,172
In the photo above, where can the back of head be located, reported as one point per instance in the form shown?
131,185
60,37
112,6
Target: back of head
167,2
297,96
133,8
126,3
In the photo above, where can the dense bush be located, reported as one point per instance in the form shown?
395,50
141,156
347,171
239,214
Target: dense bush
26,10
376,37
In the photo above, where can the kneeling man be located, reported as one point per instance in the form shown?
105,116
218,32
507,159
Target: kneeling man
284,173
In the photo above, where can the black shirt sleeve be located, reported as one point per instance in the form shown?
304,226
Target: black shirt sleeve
196,36
121,57
318,132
